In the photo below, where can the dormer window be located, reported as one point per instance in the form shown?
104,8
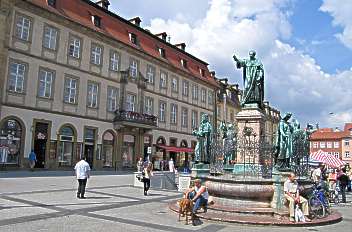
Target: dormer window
133,38
184,63
96,20
52,3
162,52
202,72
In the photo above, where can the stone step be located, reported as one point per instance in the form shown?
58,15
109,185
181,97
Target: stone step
241,210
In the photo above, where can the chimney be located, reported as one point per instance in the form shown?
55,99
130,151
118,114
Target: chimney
181,46
103,3
162,36
136,21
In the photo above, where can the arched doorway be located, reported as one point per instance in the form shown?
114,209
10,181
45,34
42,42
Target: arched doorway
108,149
128,150
67,138
160,161
11,138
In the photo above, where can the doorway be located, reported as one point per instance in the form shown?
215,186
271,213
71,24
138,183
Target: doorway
89,154
40,142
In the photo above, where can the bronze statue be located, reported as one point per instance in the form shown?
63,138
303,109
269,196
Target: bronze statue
253,78
284,149
203,147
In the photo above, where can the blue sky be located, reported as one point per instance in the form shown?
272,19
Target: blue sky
305,45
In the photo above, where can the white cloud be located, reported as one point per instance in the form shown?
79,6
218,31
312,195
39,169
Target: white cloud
294,81
341,11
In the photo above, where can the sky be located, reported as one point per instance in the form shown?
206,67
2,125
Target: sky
305,46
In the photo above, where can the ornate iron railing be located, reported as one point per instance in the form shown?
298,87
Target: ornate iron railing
135,117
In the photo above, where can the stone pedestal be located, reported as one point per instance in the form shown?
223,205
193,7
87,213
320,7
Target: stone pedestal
200,170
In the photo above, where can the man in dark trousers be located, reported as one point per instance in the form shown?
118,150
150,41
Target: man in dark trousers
343,179
82,169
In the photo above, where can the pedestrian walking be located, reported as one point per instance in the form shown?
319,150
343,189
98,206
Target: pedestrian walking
140,165
147,174
343,179
171,165
82,169
32,159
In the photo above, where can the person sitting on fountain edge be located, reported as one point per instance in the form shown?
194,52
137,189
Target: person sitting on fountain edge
292,196
199,195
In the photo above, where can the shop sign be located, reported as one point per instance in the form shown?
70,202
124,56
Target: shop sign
184,181
149,150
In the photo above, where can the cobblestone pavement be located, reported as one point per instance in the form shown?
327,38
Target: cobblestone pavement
44,203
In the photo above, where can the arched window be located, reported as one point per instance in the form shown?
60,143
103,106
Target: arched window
108,148
66,145
10,141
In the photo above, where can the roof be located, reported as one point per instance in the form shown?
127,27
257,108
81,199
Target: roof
322,135
348,126
118,28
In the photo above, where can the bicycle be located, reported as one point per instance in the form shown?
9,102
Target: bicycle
318,203
334,195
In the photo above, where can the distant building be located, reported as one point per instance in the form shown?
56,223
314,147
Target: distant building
334,142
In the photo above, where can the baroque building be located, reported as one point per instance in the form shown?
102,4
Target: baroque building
79,80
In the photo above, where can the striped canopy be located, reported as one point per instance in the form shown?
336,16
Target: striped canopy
327,159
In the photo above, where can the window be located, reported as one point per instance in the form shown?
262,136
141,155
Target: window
23,27
162,111
50,37
336,145
194,119
133,68
195,92
96,54
203,95
337,155
322,144
108,149
148,105
52,3
185,86
347,143
114,61
11,141
70,90
315,145
16,79
162,52
174,84
93,91
133,38
112,98
202,72
96,20
184,117
329,144
66,146
184,63
163,79
75,47
173,114
219,111
210,97
131,102
150,74
347,154
45,83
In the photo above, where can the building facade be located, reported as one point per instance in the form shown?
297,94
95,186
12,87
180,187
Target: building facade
333,142
79,80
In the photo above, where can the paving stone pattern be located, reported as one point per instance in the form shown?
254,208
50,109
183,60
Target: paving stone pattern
49,203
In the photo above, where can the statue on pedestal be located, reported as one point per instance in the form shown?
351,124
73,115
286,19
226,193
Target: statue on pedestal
253,78
204,134
284,148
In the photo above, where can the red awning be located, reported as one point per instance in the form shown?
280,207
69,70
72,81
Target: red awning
176,149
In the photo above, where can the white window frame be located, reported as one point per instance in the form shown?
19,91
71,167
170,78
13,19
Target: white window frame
194,119
70,90
17,78
75,47
185,88
133,68
92,95
50,38
337,155
173,114
131,102
347,142
96,54
23,27
328,144
150,74
114,61
210,97
162,111
336,145
163,79
195,92
347,155
112,97
184,117
148,105
322,144
174,84
46,79
203,95
315,144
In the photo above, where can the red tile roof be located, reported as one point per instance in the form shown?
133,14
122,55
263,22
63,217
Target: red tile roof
118,28
348,126
322,135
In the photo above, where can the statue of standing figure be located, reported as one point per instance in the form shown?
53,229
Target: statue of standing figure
284,148
230,144
204,134
253,78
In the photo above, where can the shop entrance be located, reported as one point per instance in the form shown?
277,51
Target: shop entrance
89,154
40,142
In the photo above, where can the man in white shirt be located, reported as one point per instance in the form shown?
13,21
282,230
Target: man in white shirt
82,169
316,175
